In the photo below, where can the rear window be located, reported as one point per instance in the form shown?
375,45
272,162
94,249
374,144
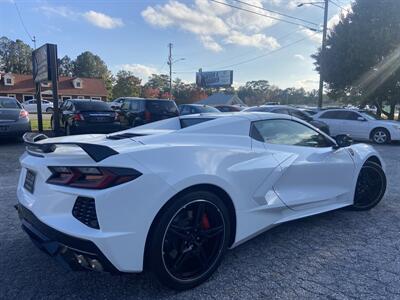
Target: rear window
161,106
259,109
193,121
208,109
9,103
91,105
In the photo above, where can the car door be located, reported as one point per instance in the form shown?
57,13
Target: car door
334,119
356,126
313,173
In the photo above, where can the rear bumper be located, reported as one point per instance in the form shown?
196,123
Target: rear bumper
14,129
74,253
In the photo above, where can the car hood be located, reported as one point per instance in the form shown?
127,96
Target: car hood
386,122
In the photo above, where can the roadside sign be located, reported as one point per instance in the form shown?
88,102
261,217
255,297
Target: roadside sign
40,64
214,79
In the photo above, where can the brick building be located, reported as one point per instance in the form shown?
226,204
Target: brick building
22,88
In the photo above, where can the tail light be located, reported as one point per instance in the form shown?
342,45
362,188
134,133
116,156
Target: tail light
23,114
147,115
78,117
91,177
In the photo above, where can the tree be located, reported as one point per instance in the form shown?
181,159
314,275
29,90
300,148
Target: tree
90,65
15,57
126,85
361,62
160,82
66,66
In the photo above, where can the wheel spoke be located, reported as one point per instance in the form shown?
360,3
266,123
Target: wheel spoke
212,232
199,214
179,232
180,260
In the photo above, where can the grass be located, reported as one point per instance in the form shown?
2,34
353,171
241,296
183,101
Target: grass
34,121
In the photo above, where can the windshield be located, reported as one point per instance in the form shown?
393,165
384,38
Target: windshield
369,115
161,106
193,121
9,103
92,105
208,109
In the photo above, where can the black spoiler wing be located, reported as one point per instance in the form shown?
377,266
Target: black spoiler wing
96,152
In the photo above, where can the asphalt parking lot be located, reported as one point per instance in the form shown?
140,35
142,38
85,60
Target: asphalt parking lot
336,255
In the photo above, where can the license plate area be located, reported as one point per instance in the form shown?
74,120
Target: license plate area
29,183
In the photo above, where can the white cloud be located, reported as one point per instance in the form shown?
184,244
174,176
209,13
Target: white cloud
214,24
313,36
257,40
95,18
139,70
102,20
210,44
61,11
292,4
334,20
300,57
308,84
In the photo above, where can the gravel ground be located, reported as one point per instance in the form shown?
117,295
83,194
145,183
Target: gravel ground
336,255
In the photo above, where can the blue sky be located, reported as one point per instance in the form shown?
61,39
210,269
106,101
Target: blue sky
134,34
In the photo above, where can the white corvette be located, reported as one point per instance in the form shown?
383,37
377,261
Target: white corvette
174,195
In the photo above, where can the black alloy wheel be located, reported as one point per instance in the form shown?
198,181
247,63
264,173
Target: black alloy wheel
189,243
370,187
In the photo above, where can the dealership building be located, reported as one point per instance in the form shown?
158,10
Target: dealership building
21,87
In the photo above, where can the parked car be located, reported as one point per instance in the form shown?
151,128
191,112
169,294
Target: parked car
87,116
14,120
117,103
190,109
173,199
360,125
31,106
229,108
139,111
292,111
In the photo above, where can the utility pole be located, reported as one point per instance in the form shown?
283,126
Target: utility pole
38,96
170,70
323,49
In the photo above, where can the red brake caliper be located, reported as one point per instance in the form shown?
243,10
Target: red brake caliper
205,224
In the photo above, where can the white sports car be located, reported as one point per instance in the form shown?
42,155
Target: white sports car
174,195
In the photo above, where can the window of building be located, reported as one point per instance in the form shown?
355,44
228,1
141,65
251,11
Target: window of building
95,98
63,98
12,95
27,97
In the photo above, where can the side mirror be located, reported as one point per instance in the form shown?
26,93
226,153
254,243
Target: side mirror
343,141
361,119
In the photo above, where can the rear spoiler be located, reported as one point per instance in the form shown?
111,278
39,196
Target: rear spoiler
96,152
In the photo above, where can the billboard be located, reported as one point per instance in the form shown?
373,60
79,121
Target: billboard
40,64
214,79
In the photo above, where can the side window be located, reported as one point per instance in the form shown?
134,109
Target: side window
287,132
299,114
134,106
352,116
185,110
336,114
125,105
283,111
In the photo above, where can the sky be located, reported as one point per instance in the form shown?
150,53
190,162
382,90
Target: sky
134,35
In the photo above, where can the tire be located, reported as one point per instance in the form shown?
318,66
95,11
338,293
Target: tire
188,240
370,187
380,136
49,110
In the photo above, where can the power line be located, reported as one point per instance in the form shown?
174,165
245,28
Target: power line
259,56
276,12
33,39
263,15
339,6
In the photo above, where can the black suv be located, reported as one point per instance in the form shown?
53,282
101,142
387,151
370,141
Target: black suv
139,111
87,116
